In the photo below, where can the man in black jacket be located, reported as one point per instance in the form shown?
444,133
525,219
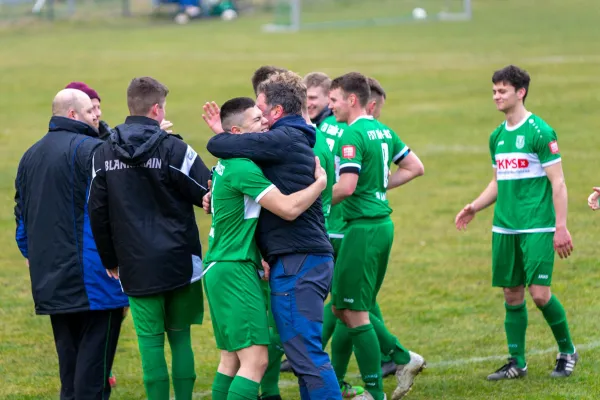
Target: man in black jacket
299,252
53,233
145,184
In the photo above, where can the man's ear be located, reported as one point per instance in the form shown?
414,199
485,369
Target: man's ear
236,129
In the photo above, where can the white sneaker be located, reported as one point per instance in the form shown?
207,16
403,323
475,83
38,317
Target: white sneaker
405,375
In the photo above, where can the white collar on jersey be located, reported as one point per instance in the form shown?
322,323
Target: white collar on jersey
517,126
370,117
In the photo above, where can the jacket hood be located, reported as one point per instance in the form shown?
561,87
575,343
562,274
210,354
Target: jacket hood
298,122
136,139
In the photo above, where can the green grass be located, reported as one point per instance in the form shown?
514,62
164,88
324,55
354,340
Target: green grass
437,297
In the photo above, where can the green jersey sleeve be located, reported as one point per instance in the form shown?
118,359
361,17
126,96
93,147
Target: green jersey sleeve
492,145
545,146
250,180
399,149
351,149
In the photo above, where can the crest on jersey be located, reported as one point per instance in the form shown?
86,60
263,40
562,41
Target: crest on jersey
553,147
520,141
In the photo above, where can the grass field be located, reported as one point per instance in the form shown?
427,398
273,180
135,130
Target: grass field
437,297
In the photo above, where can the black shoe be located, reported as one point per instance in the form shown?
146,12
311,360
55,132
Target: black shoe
285,366
508,371
277,397
388,368
565,364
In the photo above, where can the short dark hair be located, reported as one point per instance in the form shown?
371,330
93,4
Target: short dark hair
262,74
285,89
376,88
233,108
143,93
515,76
353,83
317,79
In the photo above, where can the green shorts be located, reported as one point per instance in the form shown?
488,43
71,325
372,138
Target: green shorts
173,310
336,243
237,305
522,259
361,263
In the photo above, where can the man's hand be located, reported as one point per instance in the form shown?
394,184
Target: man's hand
212,117
593,199
166,125
562,242
320,173
465,216
206,199
267,270
113,273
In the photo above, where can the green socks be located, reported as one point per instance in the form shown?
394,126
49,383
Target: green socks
388,343
341,350
329,322
220,386
184,374
555,316
365,340
154,366
376,311
243,389
515,326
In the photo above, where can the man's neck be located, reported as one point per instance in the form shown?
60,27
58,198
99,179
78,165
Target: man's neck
515,115
356,113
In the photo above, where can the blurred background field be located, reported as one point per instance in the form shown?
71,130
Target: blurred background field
437,296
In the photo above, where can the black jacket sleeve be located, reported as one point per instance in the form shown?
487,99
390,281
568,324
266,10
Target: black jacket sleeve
269,147
99,216
188,173
21,232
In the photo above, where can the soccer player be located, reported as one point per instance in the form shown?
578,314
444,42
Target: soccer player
237,304
367,149
300,253
530,221
317,96
144,186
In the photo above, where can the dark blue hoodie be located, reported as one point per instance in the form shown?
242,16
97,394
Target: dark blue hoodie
287,159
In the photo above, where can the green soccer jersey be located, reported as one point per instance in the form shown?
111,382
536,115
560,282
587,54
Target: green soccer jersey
322,151
237,186
368,148
333,131
519,155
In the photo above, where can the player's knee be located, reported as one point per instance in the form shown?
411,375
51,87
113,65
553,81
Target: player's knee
540,295
514,296
229,363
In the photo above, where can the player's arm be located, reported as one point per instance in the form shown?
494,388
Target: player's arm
562,238
409,168
289,207
188,173
345,186
484,200
268,147
99,215
350,152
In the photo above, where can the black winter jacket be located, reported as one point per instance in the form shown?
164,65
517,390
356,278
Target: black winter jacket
287,159
53,227
144,187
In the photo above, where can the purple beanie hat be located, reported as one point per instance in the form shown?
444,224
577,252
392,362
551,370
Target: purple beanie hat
84,88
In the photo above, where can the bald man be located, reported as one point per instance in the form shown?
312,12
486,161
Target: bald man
68,281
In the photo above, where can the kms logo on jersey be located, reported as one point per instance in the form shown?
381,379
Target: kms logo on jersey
512,166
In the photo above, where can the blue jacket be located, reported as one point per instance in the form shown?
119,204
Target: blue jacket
287,159
53,226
